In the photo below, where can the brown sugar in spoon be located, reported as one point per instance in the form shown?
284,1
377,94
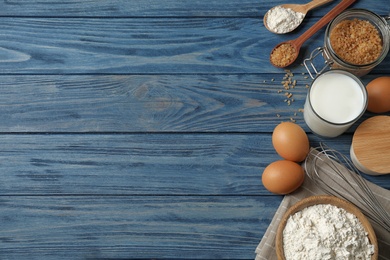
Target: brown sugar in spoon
298,8
285,53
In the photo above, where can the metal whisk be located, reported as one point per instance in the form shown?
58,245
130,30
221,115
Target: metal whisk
336,175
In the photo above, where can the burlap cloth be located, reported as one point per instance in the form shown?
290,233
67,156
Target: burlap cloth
266,249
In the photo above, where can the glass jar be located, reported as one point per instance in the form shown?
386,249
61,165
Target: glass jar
333,61
335,101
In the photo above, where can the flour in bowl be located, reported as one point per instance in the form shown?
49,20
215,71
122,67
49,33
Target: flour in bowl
323,232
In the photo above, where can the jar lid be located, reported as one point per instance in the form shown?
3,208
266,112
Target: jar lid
370,149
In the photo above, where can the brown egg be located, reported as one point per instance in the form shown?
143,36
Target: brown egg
290,141
379,95
283,177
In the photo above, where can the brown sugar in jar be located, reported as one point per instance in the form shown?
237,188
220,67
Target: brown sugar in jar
356,41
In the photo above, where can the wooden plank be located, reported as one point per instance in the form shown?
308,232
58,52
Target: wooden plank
136,46
134,164
156,8
143,46
141,164
124,227
149,103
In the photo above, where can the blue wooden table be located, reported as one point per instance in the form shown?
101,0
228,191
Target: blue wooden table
140,129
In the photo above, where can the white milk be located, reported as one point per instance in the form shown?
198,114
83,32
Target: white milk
335,101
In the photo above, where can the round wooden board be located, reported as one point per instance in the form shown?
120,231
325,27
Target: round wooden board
370,150
324,199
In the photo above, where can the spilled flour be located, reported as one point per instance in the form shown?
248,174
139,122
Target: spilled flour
324,232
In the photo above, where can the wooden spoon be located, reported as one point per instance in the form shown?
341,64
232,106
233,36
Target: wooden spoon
299,8
285,53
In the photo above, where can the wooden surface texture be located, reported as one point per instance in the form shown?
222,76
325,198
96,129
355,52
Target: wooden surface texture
140,129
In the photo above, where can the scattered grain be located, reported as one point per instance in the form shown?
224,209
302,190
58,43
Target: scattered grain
289,83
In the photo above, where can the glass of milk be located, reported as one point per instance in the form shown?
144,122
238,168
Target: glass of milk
336,99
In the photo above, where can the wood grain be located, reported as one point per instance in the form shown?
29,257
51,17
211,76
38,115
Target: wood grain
156,8
132,46
371,145
145,103
116,227
136,164
144,46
